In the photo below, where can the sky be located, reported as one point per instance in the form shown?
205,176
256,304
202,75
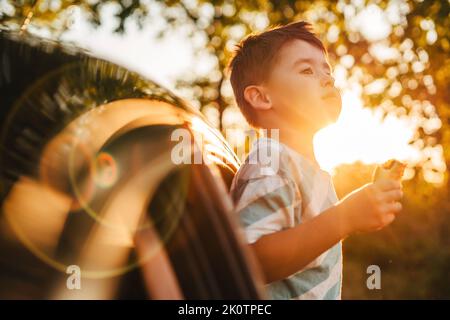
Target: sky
163,60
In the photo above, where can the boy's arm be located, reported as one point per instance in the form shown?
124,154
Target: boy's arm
266,205
284,253
266,210
368,208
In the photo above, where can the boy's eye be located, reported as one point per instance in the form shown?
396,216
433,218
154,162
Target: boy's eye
306,71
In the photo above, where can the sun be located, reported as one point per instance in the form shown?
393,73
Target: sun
360,134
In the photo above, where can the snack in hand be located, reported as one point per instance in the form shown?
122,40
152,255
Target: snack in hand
391,169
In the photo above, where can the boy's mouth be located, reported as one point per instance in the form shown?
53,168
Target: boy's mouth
330,94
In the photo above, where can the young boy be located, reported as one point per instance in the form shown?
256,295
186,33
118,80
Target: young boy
293,220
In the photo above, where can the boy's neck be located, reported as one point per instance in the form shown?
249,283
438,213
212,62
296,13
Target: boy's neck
300,142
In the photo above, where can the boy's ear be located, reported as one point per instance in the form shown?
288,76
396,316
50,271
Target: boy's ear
257,98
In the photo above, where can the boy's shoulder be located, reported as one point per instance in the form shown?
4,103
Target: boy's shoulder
268,157
269,160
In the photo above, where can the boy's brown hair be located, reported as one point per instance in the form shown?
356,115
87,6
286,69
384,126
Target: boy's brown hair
255,55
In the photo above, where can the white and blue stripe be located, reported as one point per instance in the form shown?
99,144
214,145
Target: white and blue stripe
267,203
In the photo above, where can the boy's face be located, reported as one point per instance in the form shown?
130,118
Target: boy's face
301,88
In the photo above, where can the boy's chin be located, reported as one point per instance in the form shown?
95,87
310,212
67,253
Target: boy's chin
328,119
334,111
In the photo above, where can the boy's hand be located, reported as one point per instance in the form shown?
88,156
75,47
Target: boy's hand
372,207
391,169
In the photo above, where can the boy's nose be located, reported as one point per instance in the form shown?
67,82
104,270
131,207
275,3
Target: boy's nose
327,81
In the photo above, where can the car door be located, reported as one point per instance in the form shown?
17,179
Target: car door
89,187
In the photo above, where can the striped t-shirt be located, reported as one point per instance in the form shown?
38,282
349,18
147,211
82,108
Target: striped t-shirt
272,198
